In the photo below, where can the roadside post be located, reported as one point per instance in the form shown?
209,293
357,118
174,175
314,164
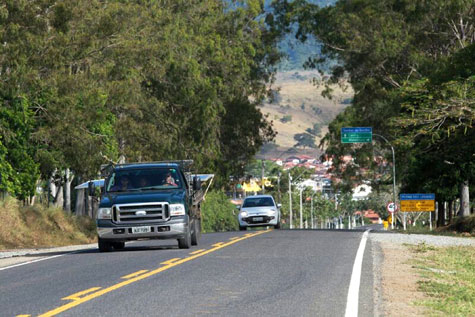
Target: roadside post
290,202
391,207
417,203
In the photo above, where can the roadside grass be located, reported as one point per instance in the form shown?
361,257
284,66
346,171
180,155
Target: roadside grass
447,277
38,226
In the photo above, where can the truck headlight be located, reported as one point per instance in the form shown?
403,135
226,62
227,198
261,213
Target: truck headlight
243,213
177,210
272,212
104,213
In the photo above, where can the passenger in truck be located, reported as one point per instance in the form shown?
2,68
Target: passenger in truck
122,185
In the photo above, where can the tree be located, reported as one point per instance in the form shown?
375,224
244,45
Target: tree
95,82
304,140
404,61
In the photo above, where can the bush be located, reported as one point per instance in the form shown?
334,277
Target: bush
286,118
464,224
218,213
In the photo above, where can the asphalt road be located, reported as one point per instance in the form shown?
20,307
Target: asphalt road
266,273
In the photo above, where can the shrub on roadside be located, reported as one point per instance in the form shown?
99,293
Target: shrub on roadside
218,213
464,224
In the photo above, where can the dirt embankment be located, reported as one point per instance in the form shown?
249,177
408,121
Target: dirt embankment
37,226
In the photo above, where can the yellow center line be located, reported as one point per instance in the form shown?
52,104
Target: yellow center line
218,244
171,261
233,238
134,274
143,276
77,295
197,251
23,315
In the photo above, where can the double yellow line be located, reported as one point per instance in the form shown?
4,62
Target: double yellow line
95,292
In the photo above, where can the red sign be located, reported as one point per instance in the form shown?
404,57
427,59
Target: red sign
391,207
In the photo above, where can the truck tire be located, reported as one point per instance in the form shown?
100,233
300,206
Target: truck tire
185,242
104,246
196,234
118,245
277,226
242,228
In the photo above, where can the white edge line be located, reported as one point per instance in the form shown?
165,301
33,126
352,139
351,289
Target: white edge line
37,260
354,289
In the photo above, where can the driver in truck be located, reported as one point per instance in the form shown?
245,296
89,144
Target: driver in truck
122,185
170,181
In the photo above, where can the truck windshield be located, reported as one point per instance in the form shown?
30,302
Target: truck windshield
143,179
258,202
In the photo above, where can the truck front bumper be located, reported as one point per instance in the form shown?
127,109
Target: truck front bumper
173,229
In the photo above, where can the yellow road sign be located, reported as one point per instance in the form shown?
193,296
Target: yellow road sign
417,205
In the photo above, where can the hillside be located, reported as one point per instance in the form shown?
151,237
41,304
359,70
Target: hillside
299,106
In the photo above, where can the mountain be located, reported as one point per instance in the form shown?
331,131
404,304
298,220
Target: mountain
299,108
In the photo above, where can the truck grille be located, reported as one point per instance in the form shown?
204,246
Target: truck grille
140,213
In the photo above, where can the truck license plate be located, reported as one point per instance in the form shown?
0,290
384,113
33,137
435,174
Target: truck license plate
141,229
257,219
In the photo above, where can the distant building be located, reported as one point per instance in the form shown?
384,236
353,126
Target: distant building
314,185
361,192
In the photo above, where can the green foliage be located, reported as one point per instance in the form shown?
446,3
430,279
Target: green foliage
316,130
90,81
20,171
447,278
218,213
305,140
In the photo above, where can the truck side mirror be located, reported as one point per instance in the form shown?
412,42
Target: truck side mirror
91,188
279,206
196,183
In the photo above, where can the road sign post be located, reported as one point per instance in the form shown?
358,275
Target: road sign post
391,207
357,135
418,202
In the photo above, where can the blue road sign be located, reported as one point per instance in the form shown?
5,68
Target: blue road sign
417,196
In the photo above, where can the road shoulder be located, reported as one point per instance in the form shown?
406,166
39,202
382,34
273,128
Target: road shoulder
19,256
396,285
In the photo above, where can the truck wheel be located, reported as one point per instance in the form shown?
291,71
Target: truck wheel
118,245
196,234
104,246
185,242
277,226
242,228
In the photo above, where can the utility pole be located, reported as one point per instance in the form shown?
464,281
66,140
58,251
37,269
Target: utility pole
262,176
301,214
394,181
311,210
290,200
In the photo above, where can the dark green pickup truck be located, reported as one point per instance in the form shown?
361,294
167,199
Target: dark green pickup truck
157,200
